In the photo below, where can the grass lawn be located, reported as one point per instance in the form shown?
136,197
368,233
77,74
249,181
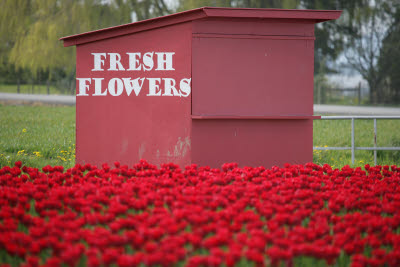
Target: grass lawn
27,89
337,133
45,135
37,135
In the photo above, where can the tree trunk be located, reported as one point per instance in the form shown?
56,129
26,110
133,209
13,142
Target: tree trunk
18,86
72,88
371,94
377,91
48,86
379,94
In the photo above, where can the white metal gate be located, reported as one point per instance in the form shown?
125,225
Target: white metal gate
353,148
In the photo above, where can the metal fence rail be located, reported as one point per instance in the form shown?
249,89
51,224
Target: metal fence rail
353,148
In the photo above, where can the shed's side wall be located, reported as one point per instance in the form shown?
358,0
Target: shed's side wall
252,68
129,128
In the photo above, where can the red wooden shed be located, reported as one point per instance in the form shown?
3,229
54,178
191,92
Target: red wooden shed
205,86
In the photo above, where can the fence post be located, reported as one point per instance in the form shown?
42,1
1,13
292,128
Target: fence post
352,141
375,145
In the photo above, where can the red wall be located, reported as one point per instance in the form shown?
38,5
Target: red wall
252,73
252,142
129,128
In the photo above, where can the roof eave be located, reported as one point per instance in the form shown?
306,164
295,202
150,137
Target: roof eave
134,27
302,14
314,16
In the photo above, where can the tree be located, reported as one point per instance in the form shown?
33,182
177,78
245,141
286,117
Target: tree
15,17
190,4
146,9
35,43
363,46
39,48
329,43
388,63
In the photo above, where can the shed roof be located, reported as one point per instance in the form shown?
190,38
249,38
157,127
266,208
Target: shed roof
313,16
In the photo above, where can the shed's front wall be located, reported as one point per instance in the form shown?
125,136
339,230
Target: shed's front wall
153,122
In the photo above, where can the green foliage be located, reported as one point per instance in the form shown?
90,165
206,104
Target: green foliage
39,48
14,21
190,4
367,28
321,84
389,59
146,9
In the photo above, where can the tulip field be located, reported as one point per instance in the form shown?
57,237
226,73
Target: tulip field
298,215
326,213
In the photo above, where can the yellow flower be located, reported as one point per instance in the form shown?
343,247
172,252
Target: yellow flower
62,158
24,130
21,152
37,154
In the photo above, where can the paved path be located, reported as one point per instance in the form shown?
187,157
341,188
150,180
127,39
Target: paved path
356,110
318,109
35,98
